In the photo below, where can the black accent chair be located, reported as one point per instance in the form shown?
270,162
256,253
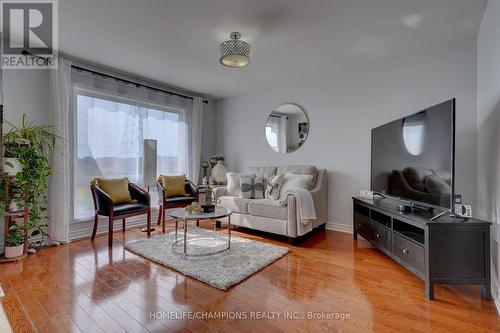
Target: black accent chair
175,202
104,206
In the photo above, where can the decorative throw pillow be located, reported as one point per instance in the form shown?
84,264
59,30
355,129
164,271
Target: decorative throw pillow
274,186
117,189
233,182
294,181
300,170
175,186
251,188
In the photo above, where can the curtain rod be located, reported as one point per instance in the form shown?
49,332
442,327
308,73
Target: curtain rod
137,84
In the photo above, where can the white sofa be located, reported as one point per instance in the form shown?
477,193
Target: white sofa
268,215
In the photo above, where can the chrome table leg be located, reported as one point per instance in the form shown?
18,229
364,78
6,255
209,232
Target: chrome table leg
185,236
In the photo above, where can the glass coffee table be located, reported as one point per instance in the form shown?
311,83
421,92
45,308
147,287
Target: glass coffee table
210,245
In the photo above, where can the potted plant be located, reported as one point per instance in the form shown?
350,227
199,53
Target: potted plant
15,242
28,134
29,144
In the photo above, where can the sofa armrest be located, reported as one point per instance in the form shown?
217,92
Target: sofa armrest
291,207
219,191
320,197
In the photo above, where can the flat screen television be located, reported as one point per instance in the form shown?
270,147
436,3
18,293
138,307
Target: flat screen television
413,158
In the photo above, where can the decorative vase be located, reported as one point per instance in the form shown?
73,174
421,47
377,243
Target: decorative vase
12,166
219,172
14,251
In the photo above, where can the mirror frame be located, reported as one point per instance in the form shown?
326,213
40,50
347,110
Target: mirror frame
308,125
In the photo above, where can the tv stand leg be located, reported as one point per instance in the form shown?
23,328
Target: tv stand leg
429,291
355,235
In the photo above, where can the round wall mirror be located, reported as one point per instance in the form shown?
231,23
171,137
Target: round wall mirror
287,128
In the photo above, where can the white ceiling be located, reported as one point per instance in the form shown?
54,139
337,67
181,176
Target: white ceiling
176,42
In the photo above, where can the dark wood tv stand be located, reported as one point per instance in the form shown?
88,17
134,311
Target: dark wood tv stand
445,251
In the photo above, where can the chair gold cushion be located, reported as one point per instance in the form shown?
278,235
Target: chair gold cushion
174,186
117,189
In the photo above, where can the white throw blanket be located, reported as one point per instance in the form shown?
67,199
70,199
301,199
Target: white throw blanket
305,204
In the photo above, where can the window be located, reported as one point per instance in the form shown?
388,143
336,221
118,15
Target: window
273,132
109,139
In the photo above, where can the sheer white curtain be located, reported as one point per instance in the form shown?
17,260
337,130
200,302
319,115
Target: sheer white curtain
196,139
60,181
113,119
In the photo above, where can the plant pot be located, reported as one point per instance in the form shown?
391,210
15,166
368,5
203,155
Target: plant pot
219,172
14,251
14,169
13,208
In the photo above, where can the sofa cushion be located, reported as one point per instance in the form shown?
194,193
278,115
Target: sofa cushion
180,200
267,208
300,170
233,182
127,208
236,204
265,172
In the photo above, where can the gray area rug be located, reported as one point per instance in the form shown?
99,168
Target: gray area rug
222,270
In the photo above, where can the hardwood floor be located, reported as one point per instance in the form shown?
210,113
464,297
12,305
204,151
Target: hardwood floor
83,287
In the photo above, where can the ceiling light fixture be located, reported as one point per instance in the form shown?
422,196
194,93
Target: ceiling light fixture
234,52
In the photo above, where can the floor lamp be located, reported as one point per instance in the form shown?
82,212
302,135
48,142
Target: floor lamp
149,163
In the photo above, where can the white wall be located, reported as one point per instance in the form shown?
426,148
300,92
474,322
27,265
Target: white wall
488,124
344,106
26,91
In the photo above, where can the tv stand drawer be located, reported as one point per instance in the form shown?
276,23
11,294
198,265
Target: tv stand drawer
381,236
362,225
410,252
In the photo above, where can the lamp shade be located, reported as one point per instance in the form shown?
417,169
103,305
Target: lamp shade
149,163
234,52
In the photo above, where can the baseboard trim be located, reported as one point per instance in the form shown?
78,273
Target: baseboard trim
495,291
496,300
339,227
